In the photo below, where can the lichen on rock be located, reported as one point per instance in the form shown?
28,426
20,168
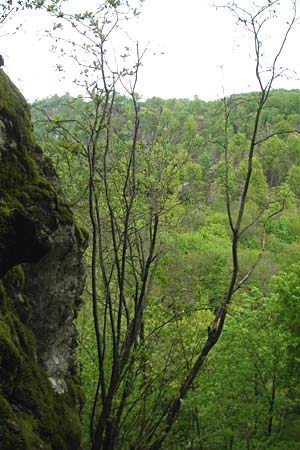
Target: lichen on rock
41,280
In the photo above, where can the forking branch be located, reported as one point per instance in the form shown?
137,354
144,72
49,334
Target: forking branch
254,23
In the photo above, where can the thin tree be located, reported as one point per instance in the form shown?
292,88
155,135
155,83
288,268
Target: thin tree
254,22
125,213
129,192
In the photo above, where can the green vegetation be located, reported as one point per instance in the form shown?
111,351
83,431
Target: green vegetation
189,337
247,394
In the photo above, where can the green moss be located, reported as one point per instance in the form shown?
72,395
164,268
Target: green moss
12,356
11,202
11,359
64,212
10,437
23,198
22,185
34,192
40,418
4,209
50,409
82,234
5,409
15,277
73,396
19,431
37,421
15,107
30,431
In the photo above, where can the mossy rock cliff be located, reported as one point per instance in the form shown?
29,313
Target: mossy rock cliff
41,280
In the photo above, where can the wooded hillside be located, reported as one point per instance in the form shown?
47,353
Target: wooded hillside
190,161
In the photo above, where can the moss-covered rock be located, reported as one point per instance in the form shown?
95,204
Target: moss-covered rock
41,279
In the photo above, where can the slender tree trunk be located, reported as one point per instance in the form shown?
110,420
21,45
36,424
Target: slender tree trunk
273,395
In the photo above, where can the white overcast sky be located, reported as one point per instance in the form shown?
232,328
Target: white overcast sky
194,49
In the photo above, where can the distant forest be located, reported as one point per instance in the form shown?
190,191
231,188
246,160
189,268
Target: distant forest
181,164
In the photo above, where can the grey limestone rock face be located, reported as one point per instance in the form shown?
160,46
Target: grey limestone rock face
42,275
54,286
